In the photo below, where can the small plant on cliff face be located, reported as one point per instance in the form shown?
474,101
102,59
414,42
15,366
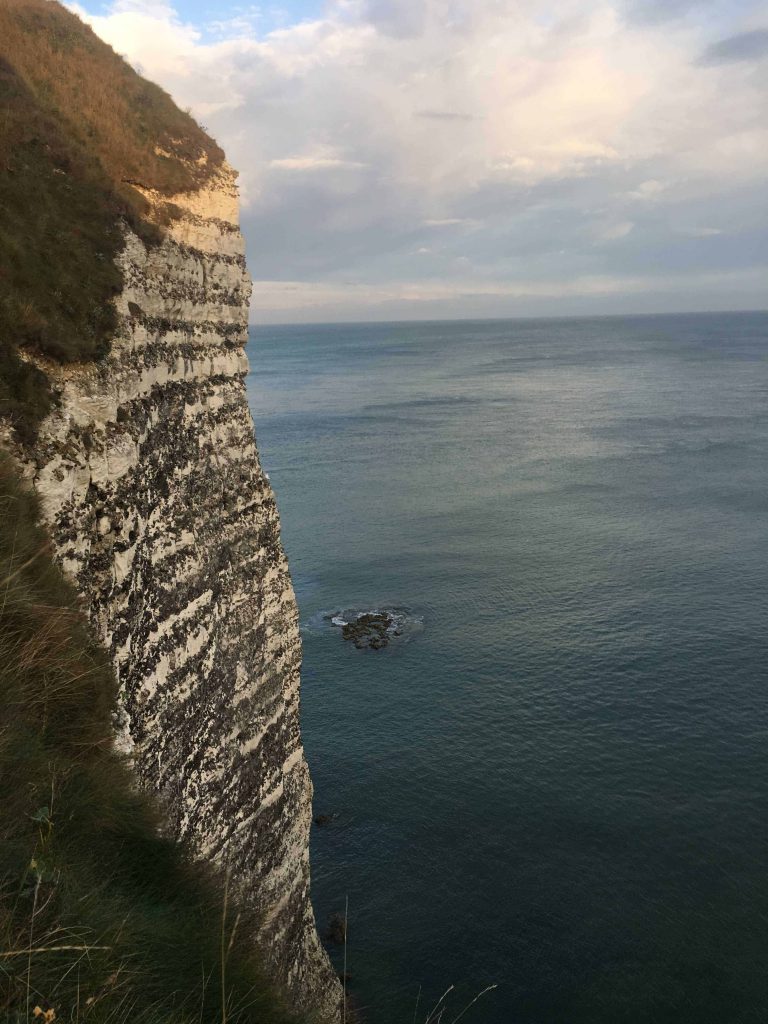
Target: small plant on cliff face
102,919
78,130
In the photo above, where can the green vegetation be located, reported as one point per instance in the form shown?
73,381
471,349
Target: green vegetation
101,919
78,127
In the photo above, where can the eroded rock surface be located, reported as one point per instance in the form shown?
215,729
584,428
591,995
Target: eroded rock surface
161,514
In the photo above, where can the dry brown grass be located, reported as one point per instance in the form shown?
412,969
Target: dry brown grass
125,122
77,127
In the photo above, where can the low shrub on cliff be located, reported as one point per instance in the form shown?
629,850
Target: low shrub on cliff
78,126
101,918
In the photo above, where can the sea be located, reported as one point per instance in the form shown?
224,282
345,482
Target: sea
549,792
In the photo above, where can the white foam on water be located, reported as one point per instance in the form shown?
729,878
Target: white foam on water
403,626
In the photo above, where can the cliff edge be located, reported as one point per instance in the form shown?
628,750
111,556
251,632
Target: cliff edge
161,515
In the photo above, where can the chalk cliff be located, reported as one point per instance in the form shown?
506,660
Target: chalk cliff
161,514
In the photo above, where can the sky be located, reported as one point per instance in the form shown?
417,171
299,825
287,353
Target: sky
428,159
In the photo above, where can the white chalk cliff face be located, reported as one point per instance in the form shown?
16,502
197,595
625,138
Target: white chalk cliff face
161,514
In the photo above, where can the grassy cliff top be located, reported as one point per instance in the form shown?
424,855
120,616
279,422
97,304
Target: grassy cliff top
131,126
78,128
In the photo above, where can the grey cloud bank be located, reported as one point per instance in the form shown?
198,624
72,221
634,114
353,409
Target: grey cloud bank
444,159
743,46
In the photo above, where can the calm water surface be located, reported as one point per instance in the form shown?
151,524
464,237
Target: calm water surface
559,782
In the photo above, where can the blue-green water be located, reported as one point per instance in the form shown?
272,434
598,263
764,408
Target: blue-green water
559,782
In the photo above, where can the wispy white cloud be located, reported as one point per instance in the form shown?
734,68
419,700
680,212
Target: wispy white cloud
705,232
318,161
449,222
648,191
612,232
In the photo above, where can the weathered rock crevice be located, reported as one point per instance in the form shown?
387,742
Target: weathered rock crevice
161,514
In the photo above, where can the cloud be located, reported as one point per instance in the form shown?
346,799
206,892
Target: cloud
449,222
540,143
322,161
613,232
275,301
398,18
445,115
648,191
655,11
744,46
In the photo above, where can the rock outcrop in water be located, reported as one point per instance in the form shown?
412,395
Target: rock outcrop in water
370,629
161,514
375,629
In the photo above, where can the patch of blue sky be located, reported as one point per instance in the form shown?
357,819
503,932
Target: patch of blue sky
212,18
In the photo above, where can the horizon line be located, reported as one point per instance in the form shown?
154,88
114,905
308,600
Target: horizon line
503,319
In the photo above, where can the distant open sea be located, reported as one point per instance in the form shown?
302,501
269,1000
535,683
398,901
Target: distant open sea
557,780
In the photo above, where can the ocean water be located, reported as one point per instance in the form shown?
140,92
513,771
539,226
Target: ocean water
556,781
